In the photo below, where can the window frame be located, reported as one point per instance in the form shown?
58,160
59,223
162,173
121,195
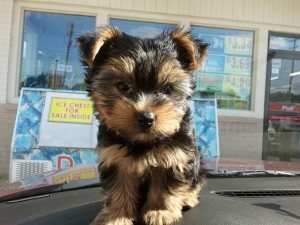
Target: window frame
15,57
49,14
252,60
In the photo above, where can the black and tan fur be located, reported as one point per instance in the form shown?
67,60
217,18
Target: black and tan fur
149,163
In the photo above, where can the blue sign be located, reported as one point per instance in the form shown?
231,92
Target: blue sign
27,134
214,64
206,127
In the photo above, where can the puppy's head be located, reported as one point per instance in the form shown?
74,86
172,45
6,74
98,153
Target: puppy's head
140,86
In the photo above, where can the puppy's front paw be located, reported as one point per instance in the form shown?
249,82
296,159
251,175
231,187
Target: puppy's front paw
161,217
112,221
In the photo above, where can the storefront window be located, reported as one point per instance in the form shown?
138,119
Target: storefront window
50,55
282,108
140,28
284,43
227,73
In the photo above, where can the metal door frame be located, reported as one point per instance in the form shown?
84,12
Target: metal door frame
272,53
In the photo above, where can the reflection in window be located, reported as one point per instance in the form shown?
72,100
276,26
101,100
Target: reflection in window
140,28
227,73
297,45
285,71
285,81
50,56
284,43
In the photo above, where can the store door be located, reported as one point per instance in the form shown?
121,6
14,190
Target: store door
282,107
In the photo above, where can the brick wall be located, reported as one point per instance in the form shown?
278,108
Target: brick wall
7,121
240,137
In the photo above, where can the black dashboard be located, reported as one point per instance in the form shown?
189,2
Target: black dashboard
264,200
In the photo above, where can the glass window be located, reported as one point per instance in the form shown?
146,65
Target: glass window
297,46
227,73
282,98
283,43
50,55
140,28
284,85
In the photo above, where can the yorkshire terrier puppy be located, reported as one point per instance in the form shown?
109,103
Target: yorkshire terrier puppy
149,163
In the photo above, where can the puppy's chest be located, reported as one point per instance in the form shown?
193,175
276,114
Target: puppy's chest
157,157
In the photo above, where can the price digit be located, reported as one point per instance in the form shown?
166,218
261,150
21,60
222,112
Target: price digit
233,82
248,63
233,62
243,45
249,44
235,43
242,81
242,63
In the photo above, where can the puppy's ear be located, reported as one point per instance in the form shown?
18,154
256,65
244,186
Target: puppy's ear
191,52
90,43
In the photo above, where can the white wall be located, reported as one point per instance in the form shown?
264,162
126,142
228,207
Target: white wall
282,12
6,7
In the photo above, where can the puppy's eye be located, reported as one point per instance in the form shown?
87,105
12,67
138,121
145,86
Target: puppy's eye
122,86
167,89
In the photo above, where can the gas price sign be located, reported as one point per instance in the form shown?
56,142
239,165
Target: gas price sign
236,83
238,65
229,65
238,45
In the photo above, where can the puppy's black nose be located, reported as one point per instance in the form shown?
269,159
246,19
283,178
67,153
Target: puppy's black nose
146,119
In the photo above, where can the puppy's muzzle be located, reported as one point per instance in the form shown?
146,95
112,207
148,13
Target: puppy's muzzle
146,119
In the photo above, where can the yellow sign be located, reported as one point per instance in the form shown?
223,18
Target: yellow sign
76,175
236,84
66,110
238,65
238,45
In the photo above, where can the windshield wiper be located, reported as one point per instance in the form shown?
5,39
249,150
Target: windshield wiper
34,192
78,184
250,173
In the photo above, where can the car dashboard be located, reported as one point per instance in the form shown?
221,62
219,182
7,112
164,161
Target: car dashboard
263,200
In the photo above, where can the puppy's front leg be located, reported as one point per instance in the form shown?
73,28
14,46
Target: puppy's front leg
161,208
121,196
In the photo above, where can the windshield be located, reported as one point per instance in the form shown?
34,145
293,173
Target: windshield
245,104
